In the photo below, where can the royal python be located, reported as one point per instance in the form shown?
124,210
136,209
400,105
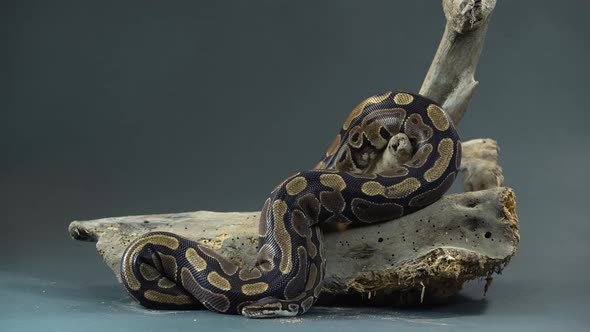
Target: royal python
358,182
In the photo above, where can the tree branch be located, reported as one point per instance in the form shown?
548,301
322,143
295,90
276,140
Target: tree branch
450,80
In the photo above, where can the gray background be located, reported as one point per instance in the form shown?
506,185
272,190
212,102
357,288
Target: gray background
111,108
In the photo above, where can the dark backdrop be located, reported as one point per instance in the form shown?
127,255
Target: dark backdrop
111,108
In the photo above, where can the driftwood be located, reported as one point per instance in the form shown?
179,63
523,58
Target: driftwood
422,257
481,170
450,79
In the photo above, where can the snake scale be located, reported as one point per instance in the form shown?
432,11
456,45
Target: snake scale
354,184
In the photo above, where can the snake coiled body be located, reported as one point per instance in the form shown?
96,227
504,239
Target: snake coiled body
163,270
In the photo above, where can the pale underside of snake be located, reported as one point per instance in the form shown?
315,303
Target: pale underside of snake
396,153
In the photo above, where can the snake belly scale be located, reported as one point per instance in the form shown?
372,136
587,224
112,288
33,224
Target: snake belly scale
163,270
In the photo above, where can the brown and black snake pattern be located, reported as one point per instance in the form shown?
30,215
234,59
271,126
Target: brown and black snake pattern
163,270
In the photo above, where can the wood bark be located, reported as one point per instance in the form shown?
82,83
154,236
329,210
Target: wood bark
422,257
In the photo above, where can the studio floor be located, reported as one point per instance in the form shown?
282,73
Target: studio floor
32,303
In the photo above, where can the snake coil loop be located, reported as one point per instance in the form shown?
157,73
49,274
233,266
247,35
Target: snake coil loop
163,270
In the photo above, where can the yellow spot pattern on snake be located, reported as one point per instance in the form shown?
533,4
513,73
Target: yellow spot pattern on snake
438,117
313,274
282,237
226,265
355,136
148,272
296,185
165,283
372,188
255,288
360,107
218,281
421,156
445,150
285,181
402,189
195,259
246,275
167,298
416,129
403,98
213,301
169,264
333,181
137,246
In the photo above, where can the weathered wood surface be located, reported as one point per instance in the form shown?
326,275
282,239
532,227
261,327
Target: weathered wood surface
450,80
